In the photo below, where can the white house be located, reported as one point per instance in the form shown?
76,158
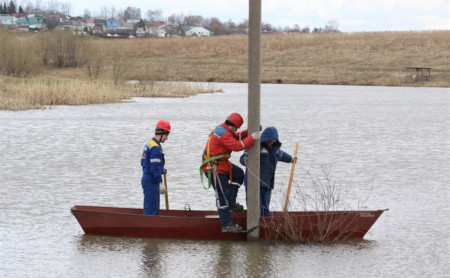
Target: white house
198,32
6,20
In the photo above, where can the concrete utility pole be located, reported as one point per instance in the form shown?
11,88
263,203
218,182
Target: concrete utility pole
254,103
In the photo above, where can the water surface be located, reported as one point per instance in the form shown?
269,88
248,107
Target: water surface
386,147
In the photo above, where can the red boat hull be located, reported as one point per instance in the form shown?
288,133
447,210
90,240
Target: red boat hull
202,224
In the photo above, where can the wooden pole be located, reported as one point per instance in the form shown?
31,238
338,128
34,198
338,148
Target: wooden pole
167,192
291,178
254,99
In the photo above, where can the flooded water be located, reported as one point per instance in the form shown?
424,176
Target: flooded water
386,148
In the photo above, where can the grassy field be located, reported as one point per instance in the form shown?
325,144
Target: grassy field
372,59
375,59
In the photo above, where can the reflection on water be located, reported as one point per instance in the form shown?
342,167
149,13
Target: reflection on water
390,144
187,258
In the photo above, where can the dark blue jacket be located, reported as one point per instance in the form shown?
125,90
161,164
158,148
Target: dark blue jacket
152,161
269,157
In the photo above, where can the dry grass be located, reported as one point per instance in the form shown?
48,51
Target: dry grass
34,93
347,59
341,59
327,205
168,89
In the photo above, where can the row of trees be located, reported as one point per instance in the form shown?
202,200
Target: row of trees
10,8
213,24
36,7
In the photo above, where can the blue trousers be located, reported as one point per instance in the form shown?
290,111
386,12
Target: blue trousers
264,200
229,194
151,195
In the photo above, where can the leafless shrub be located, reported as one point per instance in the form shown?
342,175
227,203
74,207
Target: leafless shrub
95,63
324,216
16,55
119,66
62,49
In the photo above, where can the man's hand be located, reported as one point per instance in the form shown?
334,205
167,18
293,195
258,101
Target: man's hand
162,188
255,135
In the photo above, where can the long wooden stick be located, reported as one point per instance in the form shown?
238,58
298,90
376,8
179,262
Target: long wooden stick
290,180
167,192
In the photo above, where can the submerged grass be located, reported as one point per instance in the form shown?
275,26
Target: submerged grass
325,200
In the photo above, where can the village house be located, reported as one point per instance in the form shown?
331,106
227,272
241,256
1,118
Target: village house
190,31
102,27
153,29
22,22
6,20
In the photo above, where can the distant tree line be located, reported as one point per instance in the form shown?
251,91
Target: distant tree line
10,8
213,24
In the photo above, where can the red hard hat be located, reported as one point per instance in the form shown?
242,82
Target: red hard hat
235,119
164,125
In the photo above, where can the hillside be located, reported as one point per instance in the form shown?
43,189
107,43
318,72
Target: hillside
376,59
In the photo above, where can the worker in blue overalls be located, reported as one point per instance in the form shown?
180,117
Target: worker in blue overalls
152,163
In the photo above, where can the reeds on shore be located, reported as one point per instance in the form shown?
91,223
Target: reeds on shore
40,92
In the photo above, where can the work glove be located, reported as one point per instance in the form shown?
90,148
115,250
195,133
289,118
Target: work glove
294,159
165,171
255,135
162,188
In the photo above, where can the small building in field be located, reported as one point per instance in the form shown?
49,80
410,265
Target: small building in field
198,32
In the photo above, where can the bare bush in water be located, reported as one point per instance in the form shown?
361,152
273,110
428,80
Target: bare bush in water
324,201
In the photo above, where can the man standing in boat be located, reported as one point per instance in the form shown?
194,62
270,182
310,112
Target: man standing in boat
152,163
225,177
270,154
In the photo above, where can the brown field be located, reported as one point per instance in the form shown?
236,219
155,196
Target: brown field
375,59
372,59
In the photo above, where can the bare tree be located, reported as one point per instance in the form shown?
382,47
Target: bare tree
332,26
230,25
176,19
53,6
95,63
154,15
119,67
266,27
87,13
104,12
130,13
112,11
215,25
243,25
194,20
66,8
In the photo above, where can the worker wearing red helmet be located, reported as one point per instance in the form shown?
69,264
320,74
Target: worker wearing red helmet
152,163
224,176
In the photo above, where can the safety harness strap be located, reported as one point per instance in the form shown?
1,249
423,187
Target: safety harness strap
208,161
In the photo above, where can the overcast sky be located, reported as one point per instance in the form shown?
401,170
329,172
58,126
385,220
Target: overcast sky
352,15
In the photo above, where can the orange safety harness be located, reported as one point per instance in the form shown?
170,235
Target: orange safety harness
215,160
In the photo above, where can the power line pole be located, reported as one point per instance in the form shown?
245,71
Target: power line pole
254,104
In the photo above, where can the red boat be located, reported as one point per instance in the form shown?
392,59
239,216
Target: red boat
203,224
